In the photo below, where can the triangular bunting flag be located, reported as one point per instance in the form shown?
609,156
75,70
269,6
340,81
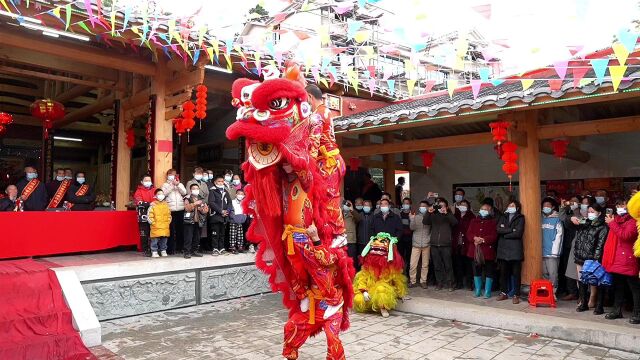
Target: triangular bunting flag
324,82
372,86
578,74
475,87
621,53
617,72
555,84
316,73
362,36
210,53
561,68
428,86
573,50
599,68
496,82
451,86
484,74
372,70
526,83
628,39
387,73
484,10
56,12
410,85
352,27
392,86
323,31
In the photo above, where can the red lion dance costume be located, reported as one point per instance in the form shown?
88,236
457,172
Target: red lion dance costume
286,194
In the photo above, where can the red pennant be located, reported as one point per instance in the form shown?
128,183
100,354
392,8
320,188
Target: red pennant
578,74
484,10
573,50
555,84
372,70
428,85
279,18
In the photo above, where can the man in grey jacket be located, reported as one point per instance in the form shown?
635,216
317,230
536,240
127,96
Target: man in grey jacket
421,246
442,221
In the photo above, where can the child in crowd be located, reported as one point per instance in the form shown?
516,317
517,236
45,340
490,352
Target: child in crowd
159,217
236,230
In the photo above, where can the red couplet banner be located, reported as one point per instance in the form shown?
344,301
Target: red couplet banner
39,233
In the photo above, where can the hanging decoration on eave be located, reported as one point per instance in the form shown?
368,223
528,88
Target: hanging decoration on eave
559,147
354,163
427,159
510,158
187,117
48,111
5,120
179,126
131,138
201,103
499,131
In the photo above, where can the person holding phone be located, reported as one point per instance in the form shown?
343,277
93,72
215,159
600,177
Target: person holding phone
351,219
404,245
442,222
174,193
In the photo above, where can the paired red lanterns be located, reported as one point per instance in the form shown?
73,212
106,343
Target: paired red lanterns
354,163
559,147
499,131
48,111
131,138
201,103
427,159
187,117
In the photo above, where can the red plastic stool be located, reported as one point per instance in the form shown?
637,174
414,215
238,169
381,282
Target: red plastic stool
541,293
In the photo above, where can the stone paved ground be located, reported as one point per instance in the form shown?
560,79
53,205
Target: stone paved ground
251,328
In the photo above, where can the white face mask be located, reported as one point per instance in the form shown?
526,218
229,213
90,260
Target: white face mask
574,206
592,216
198,177
227,178
463,209
236,182
195,192
511,210
160,197
80,180
458,198
146,184
423,209
171,177
240,197
205,177
60,178
621,211
384,209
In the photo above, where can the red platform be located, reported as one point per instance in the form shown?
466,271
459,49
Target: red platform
35,321
48,233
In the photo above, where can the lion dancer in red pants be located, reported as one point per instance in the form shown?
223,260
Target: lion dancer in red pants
331,165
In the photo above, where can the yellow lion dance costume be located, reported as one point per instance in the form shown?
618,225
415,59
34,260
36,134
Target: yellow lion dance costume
633,206
380,283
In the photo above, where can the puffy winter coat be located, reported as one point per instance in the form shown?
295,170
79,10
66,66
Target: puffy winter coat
460,233
351,219
624,263
160,219
174,195
510,233
486,229
143,194
441,227
552,235
590,239
421,232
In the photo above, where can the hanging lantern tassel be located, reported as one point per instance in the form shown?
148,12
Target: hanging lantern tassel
559,147
178,125
427,159
510,168
499,131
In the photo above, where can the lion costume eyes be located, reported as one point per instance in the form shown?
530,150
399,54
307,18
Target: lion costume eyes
279,103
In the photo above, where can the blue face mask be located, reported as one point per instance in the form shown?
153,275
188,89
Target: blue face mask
345,208
359,207
592,216
80,180
384,209
60,178
600,200
32,176
483,213
511,210
366,209
547,210
458,198
406,207
423,210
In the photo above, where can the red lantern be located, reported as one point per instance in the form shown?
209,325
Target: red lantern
499,131
509,157
48,111
178,125
509,147
510,168
5,119
427,159
201,102
559,147
131,138
354,164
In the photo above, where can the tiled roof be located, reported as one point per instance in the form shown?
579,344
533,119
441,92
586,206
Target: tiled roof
499,96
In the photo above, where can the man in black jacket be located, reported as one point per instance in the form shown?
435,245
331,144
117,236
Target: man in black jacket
442,221
387,221
81,194
31,191
221,209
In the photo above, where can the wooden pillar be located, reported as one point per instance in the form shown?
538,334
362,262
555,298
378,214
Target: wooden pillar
123,160
390,168
163,129
529,175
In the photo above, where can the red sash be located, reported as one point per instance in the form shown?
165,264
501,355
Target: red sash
59,195
83,190
30,188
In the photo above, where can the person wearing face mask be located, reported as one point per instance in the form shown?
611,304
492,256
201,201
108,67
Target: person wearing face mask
32,192
68,174
351,219
195,218
236,182
482,235
359,204
420,246
458,196
210,178
203,188
175,192
387,221
10,202
57,189
143,197
567,275
442,222
392,208
221,209
552,236
228,185
601,197
462,265
236,223
365,228
159,217
618,259
81,195
510,250
591,235
404,243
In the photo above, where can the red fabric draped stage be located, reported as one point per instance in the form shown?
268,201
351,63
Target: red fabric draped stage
35,321
48,233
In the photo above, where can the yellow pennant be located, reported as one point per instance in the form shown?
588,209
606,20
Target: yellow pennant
410,85
4,3
172,29
323,81
113,20
362,36
215,45
323,31
451,86
210,53
585,81
56,12
526,83
201,32
352,75
229,63
369,51
617,72
621,52
135,30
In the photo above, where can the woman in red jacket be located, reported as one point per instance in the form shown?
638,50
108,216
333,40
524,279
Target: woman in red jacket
482,236
462,265
618,259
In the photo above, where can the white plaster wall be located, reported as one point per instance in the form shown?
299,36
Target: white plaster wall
614,155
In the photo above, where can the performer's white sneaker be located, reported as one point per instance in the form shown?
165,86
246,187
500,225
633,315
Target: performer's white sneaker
332,310
385,313
304,305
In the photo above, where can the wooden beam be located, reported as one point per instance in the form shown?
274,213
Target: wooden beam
80,114
72,93
447,142
163,128
89,55
39,75
20,90
35,58
76,126
390,168
186,81
177,100
573,153
594,127
123,161
15,101
139,98
529,176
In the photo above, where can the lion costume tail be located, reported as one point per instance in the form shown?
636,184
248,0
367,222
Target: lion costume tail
633,206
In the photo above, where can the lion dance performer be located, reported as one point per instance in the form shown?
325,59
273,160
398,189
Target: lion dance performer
285,194
633,206
380,282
